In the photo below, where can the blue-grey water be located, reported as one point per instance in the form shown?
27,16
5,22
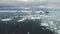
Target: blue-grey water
51,20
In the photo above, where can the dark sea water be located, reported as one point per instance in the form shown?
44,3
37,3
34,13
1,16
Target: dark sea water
13,22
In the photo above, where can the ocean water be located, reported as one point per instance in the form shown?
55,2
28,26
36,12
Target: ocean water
51,20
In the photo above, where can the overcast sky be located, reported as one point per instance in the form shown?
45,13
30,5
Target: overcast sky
31,3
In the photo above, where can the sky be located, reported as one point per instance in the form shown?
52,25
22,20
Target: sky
30,3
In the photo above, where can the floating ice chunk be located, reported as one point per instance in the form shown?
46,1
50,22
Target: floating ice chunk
6,19
40,12
44,24
55,28
58,31
28,32
34,18
51,23
21,20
